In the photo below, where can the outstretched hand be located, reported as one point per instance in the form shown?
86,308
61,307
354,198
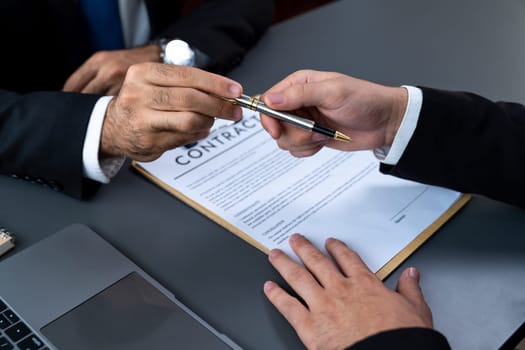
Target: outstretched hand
161,107
344,303
369,113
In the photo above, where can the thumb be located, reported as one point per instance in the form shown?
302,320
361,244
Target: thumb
311,94
408,286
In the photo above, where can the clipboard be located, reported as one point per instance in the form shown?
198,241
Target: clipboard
382,271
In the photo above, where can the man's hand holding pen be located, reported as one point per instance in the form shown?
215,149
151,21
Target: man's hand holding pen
255,104
160,107
369,113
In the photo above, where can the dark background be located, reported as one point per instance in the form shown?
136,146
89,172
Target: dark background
284,9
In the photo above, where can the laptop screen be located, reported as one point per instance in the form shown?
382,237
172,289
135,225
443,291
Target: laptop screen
130,314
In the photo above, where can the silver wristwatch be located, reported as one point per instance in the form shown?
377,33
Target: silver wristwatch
177,52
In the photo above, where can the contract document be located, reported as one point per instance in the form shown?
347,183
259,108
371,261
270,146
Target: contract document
241,179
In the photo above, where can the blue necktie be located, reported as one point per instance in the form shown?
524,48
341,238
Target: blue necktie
103,20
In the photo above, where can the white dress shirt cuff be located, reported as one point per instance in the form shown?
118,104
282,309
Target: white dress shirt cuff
391,154
92,168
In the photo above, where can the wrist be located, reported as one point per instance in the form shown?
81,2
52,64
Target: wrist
175,51
107,147
152,52
397,110
404,120
92,168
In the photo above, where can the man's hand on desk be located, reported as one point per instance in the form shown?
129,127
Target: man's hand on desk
344,303
163,106
369,113
104,72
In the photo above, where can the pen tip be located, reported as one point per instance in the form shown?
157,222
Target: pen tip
342,137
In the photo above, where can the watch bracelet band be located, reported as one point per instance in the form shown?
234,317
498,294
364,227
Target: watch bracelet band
162,42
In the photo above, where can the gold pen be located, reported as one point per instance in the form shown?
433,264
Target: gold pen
255,104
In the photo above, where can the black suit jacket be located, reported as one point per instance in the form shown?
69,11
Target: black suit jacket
41,138
468,143
45,41
42,133
404,339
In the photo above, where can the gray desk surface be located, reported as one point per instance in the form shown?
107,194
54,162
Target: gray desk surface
472,268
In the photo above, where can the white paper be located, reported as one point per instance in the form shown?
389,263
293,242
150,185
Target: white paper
241,175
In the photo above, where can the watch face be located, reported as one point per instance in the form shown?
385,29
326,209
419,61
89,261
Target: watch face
180,53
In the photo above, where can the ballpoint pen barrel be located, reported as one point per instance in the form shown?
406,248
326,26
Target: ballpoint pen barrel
255,104
324,130
292,119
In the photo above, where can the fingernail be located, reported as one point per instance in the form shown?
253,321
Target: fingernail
413,273
316,137
237,113
330,240
295,237
268,286
274,253
274,98
235,90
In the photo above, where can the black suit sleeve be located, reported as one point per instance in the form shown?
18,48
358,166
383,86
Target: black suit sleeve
468,143
223,29
404,338
42,136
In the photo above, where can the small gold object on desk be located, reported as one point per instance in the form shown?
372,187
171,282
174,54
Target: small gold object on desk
7,240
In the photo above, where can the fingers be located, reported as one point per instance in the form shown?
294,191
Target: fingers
182,89
299,90
149,119
296,275
188,99
297,96
408,286
302,77
319,265
288,306
349,261
272,126
107,80
79,79
303,89
89,81
97,85
181,76
308,152
300,143
83,77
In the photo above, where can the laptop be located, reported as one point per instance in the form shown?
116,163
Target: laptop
73,290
